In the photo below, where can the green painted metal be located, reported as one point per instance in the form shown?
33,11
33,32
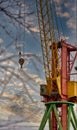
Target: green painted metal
69,117
59,102
52,106
74,117
73,124
57,117
50,124
45,117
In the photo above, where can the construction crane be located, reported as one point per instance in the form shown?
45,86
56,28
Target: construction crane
60,92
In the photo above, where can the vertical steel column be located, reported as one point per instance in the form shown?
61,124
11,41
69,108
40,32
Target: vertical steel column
68,65
64,84
54,122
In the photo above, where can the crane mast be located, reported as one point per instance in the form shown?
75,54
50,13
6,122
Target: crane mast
58,65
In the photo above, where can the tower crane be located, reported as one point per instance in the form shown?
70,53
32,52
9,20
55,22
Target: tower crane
60,92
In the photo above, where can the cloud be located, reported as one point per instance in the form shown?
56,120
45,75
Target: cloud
11,63
1,40
35,29
73,9
63,11
7,95
63,14
58,1
71,23
67,4
64,37
31,91
36,78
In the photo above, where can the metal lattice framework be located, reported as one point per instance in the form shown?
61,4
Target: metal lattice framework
48,37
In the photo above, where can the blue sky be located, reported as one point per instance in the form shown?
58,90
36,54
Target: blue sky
66,15
32,73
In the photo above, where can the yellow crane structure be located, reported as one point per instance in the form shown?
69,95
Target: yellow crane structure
60,93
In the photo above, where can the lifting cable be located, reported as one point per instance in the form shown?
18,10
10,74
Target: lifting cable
24,28
21,32
18,36
58,21
56,18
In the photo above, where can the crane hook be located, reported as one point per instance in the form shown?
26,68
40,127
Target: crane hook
21,60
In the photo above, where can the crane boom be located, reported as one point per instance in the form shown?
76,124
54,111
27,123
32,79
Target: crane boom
48,38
